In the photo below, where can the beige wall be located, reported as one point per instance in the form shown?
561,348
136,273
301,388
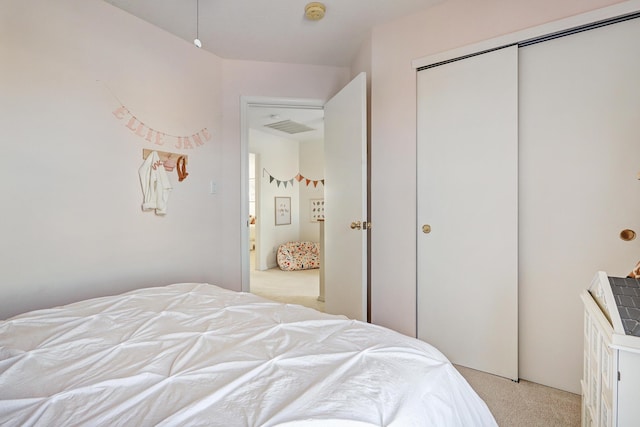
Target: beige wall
448,25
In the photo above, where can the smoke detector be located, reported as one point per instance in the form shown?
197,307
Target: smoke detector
314,11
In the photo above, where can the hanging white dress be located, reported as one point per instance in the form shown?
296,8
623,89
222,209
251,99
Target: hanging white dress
155,184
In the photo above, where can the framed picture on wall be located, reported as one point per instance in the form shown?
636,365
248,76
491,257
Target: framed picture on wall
283,210
316,209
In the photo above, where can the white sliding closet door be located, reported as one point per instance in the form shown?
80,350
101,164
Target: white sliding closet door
579,160
468,195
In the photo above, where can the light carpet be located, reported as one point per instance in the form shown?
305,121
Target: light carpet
524,404
294,287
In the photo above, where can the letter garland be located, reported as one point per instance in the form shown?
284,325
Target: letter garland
141,129
286,182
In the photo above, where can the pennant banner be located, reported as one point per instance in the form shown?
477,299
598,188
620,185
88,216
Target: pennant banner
299,177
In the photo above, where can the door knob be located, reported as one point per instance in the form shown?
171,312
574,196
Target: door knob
356,225
426,229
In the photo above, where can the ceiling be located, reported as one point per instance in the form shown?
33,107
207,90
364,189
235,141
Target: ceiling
273,31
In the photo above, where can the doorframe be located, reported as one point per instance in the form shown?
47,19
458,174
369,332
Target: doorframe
247,102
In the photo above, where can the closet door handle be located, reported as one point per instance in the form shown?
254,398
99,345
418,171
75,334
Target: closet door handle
426,229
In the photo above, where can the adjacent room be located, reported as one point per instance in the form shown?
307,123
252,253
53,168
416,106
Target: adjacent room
418,212
286,203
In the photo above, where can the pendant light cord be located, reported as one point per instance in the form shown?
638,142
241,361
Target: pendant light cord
197,41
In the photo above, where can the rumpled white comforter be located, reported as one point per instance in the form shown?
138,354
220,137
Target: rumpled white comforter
199,355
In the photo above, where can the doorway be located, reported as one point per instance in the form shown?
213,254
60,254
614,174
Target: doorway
346,226
285,158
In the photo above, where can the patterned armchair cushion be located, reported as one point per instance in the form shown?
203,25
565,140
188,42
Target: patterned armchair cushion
298,256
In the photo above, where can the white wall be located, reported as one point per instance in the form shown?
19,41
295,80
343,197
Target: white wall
283,158
280,158
72,225
445,26
312,167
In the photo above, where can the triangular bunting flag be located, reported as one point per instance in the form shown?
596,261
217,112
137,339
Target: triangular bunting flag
299,177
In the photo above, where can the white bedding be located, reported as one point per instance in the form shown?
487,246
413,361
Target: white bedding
196,355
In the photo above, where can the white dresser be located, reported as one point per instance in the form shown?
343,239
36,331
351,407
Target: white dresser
611,372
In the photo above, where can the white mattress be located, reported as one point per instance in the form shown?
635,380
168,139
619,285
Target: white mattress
196,354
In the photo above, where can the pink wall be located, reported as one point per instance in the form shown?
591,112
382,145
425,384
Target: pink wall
72,225
445,26
74,228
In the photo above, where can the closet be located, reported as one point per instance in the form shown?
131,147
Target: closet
527,161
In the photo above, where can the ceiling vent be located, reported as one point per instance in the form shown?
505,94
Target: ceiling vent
289,127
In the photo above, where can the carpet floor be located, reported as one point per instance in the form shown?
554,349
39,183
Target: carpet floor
294,287
523,403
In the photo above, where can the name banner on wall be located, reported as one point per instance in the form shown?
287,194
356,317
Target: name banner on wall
149,134
286,182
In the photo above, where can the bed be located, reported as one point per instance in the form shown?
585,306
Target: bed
195,354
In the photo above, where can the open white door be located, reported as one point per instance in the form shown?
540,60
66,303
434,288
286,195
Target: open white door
346,201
